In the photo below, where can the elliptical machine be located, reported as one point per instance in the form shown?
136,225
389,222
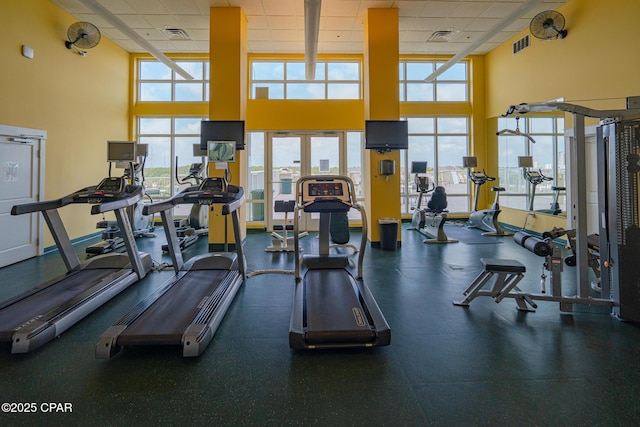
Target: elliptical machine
429,221
537,177
189,229
485,219
131,157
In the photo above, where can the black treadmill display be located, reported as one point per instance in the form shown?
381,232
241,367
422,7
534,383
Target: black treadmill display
323,189
110,185
214,185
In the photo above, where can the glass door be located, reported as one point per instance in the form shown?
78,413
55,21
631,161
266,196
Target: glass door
283,168
291,155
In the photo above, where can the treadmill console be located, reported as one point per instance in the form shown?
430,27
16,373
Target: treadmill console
109,189
325,195
212,190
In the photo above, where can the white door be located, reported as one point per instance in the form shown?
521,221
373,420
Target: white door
291,155
21,181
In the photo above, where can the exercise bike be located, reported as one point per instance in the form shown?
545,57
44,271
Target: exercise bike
430,221
142,225
189,229
486,219
536,178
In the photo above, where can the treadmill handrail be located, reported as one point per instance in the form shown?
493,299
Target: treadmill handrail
134,194
182,198
351,204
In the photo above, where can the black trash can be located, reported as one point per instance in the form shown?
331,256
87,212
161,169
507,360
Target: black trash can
388,234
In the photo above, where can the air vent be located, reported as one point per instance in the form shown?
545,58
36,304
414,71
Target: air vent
175,33
443,36
521,44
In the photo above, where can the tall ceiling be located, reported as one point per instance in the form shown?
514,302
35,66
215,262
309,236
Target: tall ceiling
277,26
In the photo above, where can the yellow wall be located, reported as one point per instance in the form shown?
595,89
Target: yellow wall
382,102
228,92
595,66
80,101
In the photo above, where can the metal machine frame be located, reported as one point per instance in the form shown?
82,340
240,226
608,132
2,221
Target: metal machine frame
332,307
187,310
618,147
58,304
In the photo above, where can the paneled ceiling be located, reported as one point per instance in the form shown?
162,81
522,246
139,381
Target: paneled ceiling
277,26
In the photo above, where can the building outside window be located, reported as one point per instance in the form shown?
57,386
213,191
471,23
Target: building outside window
159,83
287,80
548,157
441,142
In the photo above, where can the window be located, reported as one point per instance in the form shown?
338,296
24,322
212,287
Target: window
441,142
256,179
287,80
158,83
450,86
548,156
168,138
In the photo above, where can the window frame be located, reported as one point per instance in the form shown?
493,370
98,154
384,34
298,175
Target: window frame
175,80
519,199
322,79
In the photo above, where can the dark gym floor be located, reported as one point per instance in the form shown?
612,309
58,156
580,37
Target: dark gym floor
486,364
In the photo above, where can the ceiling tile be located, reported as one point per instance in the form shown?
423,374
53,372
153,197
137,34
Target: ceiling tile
135,21
285,22
438,9
336,23
161,21
117,6
287,35
468,9
283,7
277,25
181,7
250,7
193,21
148,6
347,8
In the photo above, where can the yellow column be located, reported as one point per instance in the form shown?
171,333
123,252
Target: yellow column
227,98
382,102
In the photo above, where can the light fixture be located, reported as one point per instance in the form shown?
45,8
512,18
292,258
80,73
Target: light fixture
102,12
311,31
524,8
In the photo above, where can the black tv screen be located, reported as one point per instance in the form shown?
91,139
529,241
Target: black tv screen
419,167
222,130
385,135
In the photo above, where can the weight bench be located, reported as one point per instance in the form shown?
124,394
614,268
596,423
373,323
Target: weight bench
509,273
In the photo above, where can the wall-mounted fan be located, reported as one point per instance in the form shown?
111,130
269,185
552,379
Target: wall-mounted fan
82,35
548,25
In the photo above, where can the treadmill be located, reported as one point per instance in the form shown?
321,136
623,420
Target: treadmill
332,308
35,317
187,310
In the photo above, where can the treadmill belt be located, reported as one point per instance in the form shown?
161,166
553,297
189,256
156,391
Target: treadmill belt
49,298
166,319
333,311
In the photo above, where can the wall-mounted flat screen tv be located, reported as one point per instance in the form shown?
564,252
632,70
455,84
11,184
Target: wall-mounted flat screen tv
386,135
222,130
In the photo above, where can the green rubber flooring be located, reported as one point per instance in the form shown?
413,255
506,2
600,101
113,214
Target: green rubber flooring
486,364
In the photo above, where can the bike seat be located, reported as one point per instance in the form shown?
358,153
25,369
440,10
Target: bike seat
554,188
497,189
